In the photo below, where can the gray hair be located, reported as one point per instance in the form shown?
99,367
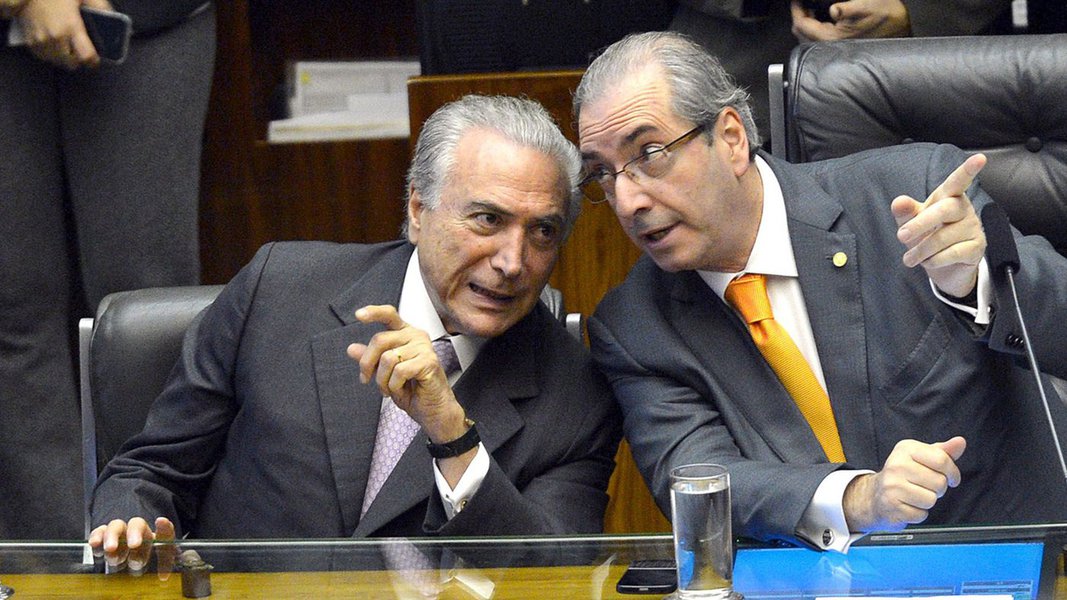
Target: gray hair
519,120
700,87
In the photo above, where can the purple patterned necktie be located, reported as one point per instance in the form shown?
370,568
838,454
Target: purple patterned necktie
396,429
446,355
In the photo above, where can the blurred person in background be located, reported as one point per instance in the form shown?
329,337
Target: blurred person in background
99,190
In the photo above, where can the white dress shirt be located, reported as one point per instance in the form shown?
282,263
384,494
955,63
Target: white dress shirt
823,522
417,310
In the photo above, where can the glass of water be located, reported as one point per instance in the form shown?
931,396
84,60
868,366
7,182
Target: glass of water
703,537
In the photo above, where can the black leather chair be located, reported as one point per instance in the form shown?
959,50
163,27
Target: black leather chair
127,353
1001,95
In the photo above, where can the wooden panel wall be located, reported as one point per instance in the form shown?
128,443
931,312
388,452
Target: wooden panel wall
253,192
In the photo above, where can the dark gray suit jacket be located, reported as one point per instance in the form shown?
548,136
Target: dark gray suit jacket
898,362
264,429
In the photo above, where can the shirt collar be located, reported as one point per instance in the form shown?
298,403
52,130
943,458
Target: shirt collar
417,310
772,253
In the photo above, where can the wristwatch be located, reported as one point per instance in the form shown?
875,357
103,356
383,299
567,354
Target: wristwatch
457,446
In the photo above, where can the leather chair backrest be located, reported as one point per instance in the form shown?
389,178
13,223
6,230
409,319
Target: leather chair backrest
136,339
1005,96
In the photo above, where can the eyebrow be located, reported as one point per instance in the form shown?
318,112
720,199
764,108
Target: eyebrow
555,218
627,141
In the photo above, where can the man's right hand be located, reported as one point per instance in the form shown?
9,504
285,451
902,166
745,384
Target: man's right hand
131,544
913,479
853,19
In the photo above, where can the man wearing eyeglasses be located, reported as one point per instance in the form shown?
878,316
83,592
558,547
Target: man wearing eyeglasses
778,325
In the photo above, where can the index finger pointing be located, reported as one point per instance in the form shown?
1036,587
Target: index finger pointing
381,313
959,180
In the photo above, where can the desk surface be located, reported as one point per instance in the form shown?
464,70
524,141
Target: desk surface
578,567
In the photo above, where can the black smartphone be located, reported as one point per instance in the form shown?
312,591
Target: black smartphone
648,577
820,9
109,31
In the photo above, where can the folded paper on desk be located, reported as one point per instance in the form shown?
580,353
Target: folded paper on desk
341,100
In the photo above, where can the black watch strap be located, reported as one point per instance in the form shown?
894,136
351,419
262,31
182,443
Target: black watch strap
457,446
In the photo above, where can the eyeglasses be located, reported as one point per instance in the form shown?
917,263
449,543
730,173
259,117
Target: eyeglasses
653,162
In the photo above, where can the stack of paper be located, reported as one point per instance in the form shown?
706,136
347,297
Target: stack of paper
338,100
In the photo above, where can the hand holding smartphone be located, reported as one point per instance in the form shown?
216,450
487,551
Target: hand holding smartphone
110,32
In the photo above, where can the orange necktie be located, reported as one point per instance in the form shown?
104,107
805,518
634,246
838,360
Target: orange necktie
748,294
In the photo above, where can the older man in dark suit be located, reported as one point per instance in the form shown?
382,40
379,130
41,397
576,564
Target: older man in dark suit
318,396
863,393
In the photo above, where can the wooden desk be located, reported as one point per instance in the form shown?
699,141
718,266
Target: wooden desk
512,583
578,568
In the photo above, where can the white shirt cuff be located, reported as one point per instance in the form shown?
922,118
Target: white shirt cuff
454,500
823,522
984,296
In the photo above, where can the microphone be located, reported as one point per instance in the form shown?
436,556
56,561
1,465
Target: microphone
1002,255
1000,252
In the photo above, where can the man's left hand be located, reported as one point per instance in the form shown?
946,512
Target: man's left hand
944,234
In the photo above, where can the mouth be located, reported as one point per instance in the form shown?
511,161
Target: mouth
494,296
651,237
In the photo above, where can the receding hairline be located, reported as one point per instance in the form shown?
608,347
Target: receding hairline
488,131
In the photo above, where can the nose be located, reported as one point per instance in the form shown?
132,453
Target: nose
510,254
630,197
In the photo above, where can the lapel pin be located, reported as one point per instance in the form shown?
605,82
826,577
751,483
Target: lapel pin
840,258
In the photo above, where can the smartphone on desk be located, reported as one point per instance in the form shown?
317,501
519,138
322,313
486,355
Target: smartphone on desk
110,32
656,576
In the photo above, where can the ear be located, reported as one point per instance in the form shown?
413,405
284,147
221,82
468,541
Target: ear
732,132
415,208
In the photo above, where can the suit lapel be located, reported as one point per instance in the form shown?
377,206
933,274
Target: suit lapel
350,409
740,378
488,399
834,303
